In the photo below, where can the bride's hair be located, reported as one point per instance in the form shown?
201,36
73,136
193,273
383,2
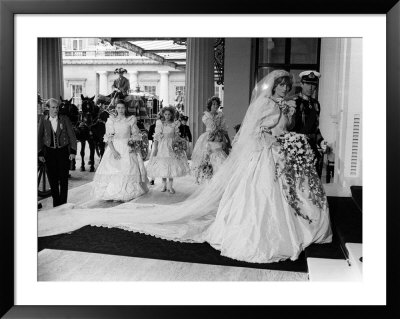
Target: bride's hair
282,80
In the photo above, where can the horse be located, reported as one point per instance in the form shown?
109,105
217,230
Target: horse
70,110
92,129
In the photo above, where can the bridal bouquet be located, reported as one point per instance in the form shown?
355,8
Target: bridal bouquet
299,164
179,146
204,171
135,145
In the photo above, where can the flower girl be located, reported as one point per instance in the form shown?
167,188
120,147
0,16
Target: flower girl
164,161
214,121
214,158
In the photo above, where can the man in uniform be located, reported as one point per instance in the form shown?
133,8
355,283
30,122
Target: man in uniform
307,115
56,147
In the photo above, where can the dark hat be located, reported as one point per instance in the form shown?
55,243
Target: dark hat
310,77
120,71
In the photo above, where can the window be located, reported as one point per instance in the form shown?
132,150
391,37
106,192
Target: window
77,44
150,89
216,90
76,91
180,88
291,54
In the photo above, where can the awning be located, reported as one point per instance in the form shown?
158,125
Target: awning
166,51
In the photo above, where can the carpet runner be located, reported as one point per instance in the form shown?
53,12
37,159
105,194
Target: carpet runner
346,221
114,241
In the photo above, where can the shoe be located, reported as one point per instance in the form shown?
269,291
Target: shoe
170,188
164,188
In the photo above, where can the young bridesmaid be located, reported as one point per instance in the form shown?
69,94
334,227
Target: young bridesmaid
214,121
164,162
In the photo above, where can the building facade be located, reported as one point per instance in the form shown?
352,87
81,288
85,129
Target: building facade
89,64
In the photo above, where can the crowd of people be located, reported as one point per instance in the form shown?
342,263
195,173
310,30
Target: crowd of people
260,197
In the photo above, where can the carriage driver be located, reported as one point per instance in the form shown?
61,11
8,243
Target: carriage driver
121,85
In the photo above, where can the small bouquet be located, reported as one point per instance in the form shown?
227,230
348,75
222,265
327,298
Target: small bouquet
299,164
204,171
135,145
179,146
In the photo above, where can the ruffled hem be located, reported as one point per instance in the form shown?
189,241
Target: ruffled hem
105,178
167,167
116,187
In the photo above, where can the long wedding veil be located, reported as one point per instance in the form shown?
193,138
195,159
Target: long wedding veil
184,221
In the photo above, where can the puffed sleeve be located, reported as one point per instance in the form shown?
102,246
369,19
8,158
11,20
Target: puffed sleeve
270,116
208,121
110,130
135,131
158,131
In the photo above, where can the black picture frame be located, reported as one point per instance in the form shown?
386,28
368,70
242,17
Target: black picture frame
9,8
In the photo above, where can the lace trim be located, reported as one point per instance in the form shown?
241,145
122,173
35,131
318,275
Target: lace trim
135,230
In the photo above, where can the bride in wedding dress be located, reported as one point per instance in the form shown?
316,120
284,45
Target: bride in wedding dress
259,207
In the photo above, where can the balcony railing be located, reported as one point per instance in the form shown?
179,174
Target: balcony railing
95,53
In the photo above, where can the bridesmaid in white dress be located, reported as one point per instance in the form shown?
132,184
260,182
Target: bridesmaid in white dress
215,158
212,119
164,162
121,175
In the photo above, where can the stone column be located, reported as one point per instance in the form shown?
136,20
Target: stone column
164,87
199,81
50,68
103,83
133,79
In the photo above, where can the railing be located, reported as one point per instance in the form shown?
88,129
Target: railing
95,53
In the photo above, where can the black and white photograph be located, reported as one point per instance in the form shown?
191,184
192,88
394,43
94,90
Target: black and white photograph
200,159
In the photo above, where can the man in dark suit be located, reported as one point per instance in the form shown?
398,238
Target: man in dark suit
184,129
185,133
56,147
307,115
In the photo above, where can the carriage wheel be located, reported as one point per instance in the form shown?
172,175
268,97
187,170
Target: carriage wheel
145,145
43,181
